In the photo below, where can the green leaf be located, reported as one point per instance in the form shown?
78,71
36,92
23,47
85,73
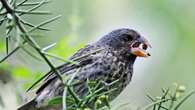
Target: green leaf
55,100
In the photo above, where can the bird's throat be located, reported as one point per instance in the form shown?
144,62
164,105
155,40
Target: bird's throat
132,59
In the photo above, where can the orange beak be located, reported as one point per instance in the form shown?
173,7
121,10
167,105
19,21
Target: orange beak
140,51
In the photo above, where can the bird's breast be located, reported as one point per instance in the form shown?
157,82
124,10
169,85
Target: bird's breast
120,73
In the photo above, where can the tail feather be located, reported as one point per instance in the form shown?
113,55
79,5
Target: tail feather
29,106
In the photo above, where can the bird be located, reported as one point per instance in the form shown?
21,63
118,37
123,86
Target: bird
109,59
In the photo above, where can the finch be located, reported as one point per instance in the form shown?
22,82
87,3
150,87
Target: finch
117,53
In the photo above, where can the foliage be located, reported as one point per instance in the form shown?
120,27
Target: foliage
16,30
96,97
169,100
13,18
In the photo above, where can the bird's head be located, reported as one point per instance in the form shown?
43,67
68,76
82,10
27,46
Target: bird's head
126,41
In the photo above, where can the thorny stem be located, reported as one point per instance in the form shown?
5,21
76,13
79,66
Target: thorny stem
7,6
9,54
163,97
28,37
157,102
183,100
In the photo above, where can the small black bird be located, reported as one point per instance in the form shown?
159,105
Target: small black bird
114,61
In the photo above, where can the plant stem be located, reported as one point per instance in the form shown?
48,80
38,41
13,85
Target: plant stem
183,100
157,102
28,38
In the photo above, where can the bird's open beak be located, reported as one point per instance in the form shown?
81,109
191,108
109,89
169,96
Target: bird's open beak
139,47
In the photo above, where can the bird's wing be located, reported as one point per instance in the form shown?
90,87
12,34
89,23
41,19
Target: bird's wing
81,58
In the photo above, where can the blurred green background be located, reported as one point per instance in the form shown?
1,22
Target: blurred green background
169,25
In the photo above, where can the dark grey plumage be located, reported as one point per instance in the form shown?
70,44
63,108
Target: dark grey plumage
114,62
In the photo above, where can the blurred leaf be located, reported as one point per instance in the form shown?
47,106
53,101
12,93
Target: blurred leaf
2,46
21,72
35,77
67,46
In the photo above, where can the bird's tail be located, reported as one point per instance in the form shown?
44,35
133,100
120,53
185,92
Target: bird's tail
29,106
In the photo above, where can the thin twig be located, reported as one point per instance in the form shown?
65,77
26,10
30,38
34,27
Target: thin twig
48,47
31,25
31,54
8,55
37,6
44,23
21,3
33,8
33,3
7,44
59,58
163,97
183,100
157,102
35,83
67,88
33,12
2,20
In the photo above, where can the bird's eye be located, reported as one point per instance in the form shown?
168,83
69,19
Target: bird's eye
144,46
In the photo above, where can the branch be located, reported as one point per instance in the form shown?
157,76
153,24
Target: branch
28,37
